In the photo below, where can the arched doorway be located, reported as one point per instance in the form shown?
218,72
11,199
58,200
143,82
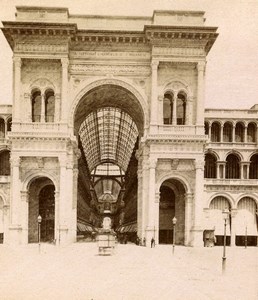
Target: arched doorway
1,220
215,219
172,204
246,222
41,203
108,122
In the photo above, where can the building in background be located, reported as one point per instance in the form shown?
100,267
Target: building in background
108,120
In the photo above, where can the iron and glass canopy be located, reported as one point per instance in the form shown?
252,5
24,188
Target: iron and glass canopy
108,135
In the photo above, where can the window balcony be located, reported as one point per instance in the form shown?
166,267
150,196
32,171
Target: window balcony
180,130
239,182
38,128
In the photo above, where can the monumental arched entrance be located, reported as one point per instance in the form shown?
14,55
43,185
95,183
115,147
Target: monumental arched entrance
41,202
108,123
172,204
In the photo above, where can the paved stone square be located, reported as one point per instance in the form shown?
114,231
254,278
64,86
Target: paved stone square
132,273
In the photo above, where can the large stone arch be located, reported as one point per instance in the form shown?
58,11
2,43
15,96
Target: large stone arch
171,175
142,99
36,174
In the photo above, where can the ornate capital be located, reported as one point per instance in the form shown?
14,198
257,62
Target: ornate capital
15,161
201,66
153,163
154,64
65,63
199,164
17,62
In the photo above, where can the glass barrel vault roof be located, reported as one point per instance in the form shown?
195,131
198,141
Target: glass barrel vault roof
108,135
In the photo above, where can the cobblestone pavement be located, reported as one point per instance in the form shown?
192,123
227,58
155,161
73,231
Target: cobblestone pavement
131,273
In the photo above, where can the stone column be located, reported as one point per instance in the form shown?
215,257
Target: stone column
198,204
247,170
234,133
223,165
218,172
27,107
160,110
200,94
63,226
156,212
189,111
151,203
140,200
16,88
174,117
221,133
233,227
154,86
245,134
67,214
57,107
209,133
188,217
57,218
43,109
25,216
64,105
15,224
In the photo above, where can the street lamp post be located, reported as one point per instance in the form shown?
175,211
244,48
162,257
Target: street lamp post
39,224
174,220
245,236
225,214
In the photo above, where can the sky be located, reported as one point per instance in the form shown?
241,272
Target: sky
232,63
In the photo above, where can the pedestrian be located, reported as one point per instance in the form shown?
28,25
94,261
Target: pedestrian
144,241
152,243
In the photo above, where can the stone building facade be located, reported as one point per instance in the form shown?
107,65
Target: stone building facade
108,119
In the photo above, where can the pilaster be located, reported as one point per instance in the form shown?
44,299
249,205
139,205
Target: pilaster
233,227
154,98
188,216
150,229
17,63
200,94
64,105
198,204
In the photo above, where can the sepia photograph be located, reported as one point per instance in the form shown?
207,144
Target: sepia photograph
129,149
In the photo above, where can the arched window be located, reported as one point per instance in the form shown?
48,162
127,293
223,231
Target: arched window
5,163
239,136
9,124
2,128
227,132
180,109
251,133
232,167
215,132
168,108
36,105
253,170
49,106
210,168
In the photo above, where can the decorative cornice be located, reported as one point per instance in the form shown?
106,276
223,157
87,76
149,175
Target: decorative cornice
176,138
